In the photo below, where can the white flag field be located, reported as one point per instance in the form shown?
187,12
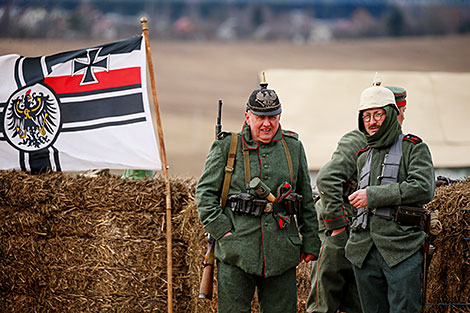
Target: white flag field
77,110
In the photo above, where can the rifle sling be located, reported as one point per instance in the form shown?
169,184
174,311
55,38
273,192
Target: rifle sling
229,169
246,162
289,160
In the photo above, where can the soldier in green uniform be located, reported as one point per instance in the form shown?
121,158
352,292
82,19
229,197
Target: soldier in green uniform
333,285
257,242
396,178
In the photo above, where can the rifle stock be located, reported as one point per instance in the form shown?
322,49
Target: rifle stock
207,282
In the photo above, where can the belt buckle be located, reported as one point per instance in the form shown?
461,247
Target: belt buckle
268,208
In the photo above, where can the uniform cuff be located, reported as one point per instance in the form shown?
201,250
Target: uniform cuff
219,227
386,195
335,223
311,245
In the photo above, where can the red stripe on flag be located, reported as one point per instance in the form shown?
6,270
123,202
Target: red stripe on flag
115,78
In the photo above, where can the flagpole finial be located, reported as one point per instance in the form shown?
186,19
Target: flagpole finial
143,21
377,81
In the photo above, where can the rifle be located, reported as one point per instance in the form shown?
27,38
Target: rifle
428,249
207,281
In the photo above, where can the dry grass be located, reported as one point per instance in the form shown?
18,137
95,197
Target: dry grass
73,244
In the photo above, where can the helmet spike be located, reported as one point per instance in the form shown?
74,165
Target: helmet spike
377,81
263,83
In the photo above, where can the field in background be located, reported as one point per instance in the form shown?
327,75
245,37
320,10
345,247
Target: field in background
192,76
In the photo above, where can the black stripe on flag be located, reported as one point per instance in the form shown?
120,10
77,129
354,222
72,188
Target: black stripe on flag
2,113
123,46
32,71
56,159
39,161
107,124
101,108
22,161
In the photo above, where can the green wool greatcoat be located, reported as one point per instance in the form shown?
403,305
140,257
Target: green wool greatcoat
258,245
332,212
415,187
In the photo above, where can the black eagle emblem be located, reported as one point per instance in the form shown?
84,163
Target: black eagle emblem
32,118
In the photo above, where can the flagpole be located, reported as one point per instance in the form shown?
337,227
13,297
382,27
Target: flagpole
169,262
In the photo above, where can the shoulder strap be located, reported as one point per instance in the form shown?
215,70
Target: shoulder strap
365,172
289,160
229,169
392,163
246,162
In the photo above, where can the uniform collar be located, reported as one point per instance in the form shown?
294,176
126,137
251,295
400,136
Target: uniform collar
252,144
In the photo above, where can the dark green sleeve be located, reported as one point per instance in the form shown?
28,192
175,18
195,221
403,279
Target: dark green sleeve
208,192
308,225
416,180
333,175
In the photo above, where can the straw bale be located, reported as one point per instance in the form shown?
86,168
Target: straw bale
80,244
91,244
448,286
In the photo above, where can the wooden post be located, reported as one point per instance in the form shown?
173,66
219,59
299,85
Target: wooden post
169,262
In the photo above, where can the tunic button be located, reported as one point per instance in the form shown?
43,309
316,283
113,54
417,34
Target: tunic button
266,166
266,224
266,177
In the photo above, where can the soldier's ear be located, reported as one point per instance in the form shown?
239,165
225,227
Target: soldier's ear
247,118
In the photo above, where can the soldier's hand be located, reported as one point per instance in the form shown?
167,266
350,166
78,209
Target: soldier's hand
358,199
307,257
338,231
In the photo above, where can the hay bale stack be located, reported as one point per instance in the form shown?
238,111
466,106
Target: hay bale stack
70,244
448,286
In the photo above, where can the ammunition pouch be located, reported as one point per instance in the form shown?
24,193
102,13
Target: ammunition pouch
293,203
402,215
247,204
410,216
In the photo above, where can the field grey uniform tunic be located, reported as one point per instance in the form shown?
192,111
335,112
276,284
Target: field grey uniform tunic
258,246
333,285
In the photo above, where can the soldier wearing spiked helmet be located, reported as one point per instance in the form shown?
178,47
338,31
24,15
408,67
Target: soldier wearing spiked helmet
396,178
257,240
333,286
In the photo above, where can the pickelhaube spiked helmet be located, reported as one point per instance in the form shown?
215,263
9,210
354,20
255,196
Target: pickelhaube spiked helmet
264,101
376,96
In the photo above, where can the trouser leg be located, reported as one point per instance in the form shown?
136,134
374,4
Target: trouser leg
404,284
372,284
333,285
235,289
278,294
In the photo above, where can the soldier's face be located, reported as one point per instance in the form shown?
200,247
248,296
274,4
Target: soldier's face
373,119
263,128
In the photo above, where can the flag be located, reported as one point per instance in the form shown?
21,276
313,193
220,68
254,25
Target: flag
77,110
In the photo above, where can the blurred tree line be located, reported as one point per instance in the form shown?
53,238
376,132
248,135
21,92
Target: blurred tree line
298,21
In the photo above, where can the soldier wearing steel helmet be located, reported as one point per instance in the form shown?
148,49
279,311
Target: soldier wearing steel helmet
257,242
333,286
396,179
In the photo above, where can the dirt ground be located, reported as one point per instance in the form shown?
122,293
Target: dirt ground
192,76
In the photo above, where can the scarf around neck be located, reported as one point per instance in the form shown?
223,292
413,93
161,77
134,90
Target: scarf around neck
388,131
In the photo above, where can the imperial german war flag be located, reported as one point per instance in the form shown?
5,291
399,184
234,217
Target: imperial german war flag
77,110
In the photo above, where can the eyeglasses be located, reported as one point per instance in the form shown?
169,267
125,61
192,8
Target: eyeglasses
377,116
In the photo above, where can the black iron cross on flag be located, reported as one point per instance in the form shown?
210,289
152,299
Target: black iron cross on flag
93,62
